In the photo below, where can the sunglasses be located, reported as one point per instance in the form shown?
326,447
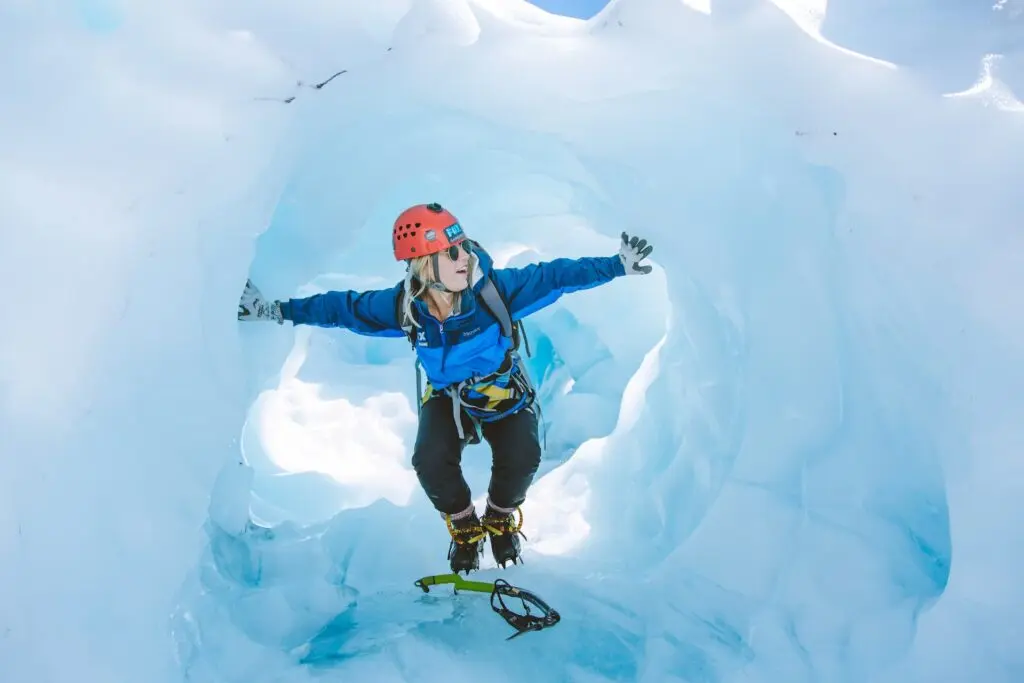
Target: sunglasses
453,251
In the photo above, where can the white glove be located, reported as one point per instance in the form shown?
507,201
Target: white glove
252,306
632,252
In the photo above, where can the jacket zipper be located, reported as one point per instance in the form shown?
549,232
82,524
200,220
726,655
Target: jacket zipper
444,343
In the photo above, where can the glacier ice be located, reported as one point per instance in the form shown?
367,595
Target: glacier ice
788,454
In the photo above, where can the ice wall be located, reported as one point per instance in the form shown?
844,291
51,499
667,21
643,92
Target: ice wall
134,176
789,454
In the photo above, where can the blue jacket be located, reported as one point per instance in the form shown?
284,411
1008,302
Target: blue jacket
467,344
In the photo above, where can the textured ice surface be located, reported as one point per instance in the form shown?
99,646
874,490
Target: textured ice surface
789,454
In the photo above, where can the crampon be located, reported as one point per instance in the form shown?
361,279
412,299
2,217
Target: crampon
503,531
500,589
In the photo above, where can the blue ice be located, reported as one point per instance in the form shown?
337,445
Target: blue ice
788,455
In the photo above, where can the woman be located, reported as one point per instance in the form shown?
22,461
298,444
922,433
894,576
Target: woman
457,310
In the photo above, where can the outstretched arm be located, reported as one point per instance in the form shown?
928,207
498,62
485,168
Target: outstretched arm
372,313
537,285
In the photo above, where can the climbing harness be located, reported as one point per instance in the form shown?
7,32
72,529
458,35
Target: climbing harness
499,589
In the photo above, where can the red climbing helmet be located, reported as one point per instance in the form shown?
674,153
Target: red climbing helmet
424,229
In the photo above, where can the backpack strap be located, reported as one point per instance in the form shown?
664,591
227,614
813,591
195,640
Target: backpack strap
492,299
496,305
410,332
403,321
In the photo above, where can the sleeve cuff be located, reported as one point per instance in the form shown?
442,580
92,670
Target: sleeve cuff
286,310
619,268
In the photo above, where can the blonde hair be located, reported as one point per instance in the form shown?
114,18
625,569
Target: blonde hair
418,278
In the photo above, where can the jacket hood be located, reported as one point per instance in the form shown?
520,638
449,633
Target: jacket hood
483,264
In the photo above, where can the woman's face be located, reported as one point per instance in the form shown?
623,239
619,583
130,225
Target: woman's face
454,274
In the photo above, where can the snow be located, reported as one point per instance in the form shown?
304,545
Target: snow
791,453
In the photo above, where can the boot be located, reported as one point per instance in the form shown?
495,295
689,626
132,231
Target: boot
504,533
467,542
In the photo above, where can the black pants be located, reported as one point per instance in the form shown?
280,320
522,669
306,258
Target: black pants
437,456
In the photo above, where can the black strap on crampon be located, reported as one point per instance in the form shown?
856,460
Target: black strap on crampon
522,623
